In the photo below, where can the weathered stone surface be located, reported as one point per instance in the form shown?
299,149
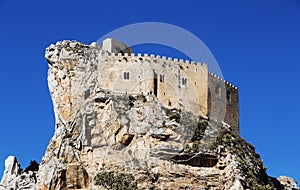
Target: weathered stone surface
11,171
15,178
287,182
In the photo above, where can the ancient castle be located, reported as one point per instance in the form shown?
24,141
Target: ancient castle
185,85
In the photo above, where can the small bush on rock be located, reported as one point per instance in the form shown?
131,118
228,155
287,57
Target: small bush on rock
118,181
33,166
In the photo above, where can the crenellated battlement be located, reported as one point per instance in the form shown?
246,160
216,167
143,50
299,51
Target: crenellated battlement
222,80
155,58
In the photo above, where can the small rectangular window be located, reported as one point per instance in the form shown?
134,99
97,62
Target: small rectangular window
162,78
184,81
126,75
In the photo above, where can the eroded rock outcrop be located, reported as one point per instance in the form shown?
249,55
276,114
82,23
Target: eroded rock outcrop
15,178
287,182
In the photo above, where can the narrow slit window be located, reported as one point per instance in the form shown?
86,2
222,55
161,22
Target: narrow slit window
228,94
218,91
184,81
162,78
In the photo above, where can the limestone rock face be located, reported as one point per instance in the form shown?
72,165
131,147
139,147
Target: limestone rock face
106,140
12,168
15,178
287,182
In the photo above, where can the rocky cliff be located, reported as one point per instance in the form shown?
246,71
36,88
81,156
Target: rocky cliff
105,140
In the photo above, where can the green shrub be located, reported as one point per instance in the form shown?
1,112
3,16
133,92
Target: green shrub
200,130
131,101
175,116
124,181
104,179
120,181
164,123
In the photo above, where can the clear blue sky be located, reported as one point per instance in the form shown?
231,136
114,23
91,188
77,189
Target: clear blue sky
256,43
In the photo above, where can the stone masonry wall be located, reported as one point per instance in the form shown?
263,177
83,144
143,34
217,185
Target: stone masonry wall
176,83
223,101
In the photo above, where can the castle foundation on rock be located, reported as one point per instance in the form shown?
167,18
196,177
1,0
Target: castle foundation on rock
126,121
180,84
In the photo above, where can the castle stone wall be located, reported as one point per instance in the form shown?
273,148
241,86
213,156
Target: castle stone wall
174,82
223,102
232,108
